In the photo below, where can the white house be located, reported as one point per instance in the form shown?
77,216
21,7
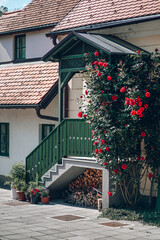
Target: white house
28,85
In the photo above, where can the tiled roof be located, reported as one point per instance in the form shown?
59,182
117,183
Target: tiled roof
37,13
26,84
88,12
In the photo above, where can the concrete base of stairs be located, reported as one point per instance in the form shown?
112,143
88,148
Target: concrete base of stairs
58,178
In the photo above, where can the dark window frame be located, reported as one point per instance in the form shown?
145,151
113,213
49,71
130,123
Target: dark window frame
4,143
43,126
20,47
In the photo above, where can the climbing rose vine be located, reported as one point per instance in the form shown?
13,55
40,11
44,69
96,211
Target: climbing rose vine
121,104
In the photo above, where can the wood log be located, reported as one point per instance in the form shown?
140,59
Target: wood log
79,191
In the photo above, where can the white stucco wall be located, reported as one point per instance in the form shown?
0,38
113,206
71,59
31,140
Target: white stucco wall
75,87
37,45
6,48
23,132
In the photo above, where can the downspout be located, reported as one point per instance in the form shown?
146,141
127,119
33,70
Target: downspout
44,116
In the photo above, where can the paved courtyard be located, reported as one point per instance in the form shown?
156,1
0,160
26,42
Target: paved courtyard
21,220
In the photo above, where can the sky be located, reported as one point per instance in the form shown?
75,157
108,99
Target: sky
14,4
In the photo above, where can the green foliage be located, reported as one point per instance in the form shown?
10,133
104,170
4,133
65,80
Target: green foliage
121,104
3,10
44,192
149,217
17,175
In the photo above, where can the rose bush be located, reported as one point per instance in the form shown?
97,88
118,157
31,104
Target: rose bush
123,111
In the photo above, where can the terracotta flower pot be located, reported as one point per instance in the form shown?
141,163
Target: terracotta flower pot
21,196
45,200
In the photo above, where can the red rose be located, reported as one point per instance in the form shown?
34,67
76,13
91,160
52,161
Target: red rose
122,89
89,101
95,62
102,91
96,151
110,194
133,112
132,102
86,92
140,115
139,51
107,149
143,134
100,150
104,64
114,97
150,175
156,50
80,114
138,99
138,158
100,64
145,105
127,102
81,97
95,110
141,109
147,94
109,78
138,112
116,170
95,143
85,115
152,148
140,104
103,141
124,166
99,74
96,53
105,163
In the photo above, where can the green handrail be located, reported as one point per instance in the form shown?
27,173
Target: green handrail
72,137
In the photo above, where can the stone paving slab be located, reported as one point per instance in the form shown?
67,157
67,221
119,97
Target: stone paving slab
36,222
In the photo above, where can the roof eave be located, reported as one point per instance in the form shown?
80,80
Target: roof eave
28,29
111,24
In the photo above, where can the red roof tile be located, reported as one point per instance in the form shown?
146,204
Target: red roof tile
27,84
37,13
88,12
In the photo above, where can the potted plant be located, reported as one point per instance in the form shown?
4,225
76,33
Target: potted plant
27,193
34,195
16,174
44,193
20,188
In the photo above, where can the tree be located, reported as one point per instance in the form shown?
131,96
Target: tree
123,110
3,10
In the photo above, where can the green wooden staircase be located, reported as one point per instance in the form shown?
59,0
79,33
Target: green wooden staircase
72,137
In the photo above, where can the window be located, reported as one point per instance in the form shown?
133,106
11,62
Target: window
20,47
4,139
46,129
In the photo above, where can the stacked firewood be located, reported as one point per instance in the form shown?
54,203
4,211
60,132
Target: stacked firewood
84,191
